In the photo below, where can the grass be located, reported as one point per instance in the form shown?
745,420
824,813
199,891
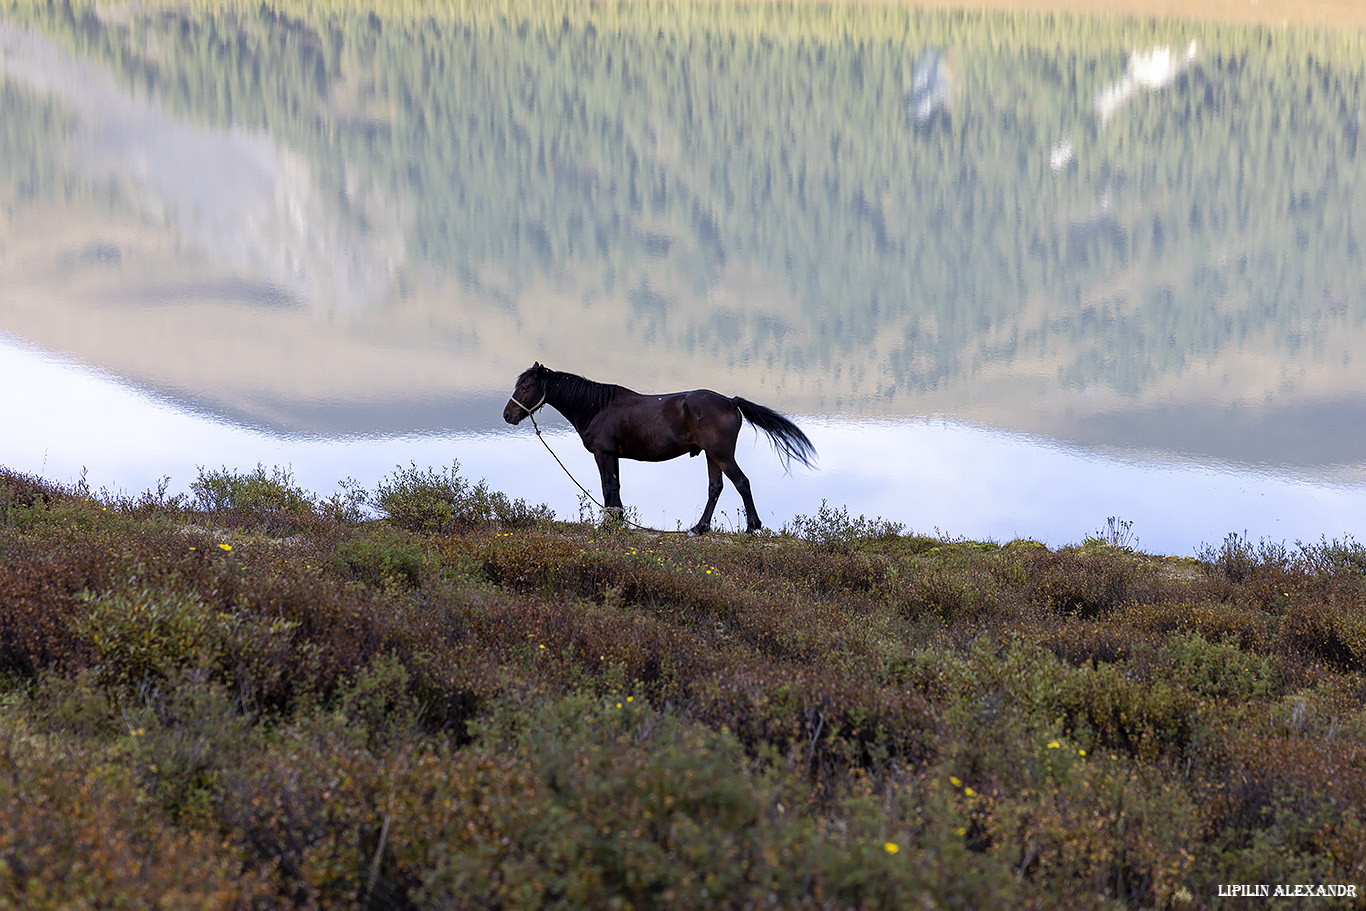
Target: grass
429,695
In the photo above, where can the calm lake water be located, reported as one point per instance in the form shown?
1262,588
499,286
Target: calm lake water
1015,274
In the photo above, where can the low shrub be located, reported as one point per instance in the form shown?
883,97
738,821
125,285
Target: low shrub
826,728
1332,632
428,500
307,814
385,559
590,804
1345,557
36,617
947,588
1088,583
832,528
348,506
78,834
251,492
1144,719
22,490
1249,627
611,804
143,635
1218,670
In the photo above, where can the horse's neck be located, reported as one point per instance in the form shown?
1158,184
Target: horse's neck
578,399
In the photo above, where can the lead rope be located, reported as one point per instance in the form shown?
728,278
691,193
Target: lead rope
531,413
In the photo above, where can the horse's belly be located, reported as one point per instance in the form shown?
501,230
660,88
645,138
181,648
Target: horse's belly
655,429
659,453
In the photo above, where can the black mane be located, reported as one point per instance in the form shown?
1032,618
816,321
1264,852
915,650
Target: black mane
572,394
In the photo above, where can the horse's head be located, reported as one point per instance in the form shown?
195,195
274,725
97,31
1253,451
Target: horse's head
527,395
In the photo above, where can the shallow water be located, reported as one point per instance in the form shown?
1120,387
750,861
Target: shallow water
1015,275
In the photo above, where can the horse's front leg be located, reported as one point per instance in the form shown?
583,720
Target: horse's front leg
609,467
713,494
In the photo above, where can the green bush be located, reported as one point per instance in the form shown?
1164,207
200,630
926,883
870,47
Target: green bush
308,815
1346,556
590,803
142,634
384,558
1333,632
948,589
632,809
27,502
1219,670
75,833
24,490
187,735
253,492
1088,583
832,529
430,501
1238,559
348,506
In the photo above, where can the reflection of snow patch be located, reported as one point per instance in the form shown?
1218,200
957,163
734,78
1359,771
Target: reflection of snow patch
1061,155
1151,71
931,85
1159,67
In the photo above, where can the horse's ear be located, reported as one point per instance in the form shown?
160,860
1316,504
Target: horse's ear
538,368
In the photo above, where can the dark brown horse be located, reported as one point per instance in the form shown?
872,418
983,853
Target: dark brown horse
616,423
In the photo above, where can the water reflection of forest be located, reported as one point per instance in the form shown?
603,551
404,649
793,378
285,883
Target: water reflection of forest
752,189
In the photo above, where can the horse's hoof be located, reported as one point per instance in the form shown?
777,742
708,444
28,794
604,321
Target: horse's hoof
698,530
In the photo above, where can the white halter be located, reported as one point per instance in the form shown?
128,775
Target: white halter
533,408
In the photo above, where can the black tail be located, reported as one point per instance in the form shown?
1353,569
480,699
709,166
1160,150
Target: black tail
787,438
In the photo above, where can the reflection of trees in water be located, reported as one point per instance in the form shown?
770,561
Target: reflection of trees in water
646,165
234,193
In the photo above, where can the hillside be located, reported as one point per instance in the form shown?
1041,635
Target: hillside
429,695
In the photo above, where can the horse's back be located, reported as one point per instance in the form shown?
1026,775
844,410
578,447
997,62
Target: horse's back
654,428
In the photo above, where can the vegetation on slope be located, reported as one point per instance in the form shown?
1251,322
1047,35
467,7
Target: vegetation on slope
430,695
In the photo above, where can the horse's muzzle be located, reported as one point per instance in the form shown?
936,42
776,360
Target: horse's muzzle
513,414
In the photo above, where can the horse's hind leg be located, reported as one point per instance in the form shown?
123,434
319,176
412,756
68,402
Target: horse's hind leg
737,477
713,494
715,468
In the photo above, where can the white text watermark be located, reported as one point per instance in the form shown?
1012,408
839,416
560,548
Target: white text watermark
1288,890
